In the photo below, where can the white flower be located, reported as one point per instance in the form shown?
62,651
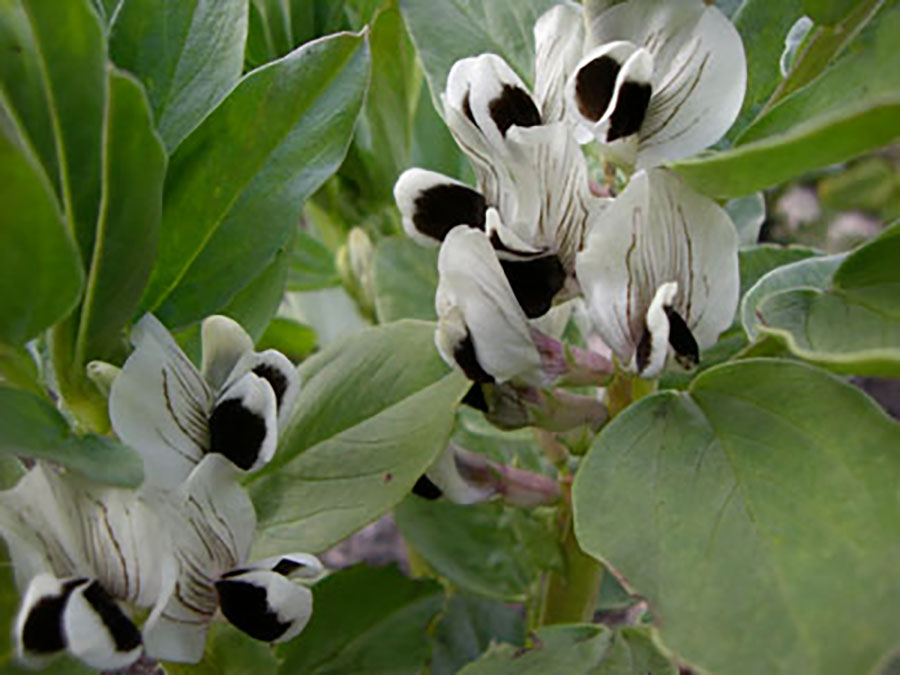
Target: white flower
481,327
173,414
527,163
660,270
663,79
78,548
211,520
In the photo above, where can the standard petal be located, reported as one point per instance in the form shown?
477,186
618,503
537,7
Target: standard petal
699,78
98,632
265,605
432,204
276,369
211,523
558,45
224,343
160,405
657,231
474,288
244,423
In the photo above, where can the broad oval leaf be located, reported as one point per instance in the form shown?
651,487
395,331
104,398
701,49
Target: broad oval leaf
365,621
748,214
30,427
374,411
236,186
405,280
490,549
853,324
55,83
134,165
187,53
740,509
444,32
42,275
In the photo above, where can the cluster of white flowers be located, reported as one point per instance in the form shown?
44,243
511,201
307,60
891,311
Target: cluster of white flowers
647,81
178,545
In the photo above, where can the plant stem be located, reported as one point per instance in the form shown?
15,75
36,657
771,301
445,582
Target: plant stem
81,397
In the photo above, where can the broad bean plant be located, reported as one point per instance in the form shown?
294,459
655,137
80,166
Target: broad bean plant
514,284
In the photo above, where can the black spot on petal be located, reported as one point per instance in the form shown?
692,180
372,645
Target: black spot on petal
594,86
246,606
439,209
644,346
687,352
535,282
425,489
124,633
43,632
465,357
236,432
631,108
474,398
467,109
286,566
275,378
514,107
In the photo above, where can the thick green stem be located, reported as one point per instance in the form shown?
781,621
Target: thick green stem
82,398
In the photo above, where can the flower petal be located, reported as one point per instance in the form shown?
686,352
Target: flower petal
211,522
444,474
98,631
474,289
700,74
558,44
159,405
244,423
653,347
432,204
38,630
265,605
281,375
657,231
224,343
291,565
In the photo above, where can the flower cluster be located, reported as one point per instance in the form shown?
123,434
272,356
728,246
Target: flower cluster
177,546
646,81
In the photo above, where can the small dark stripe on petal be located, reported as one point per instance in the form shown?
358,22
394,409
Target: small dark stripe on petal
535,282
236,432
465,357
687,352
631,107
439,209
467,109
246,606
642,355
425,489
124,633
594,86
514,107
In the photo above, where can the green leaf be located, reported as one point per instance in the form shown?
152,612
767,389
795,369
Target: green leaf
42,275
381,144
433,146
828,11
271,30
747,214
254,306
490,549
229,652
32,428
134,164
757,261
445,32
632,651
814,272
312,265
188,54
852,325
468,627
55,83
577,649
763,26
374,411
293,339
405,280
365,621
235,187
739,509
